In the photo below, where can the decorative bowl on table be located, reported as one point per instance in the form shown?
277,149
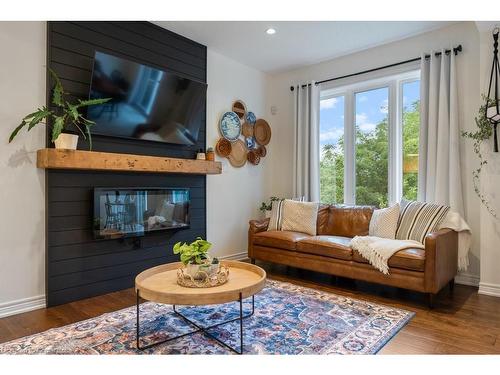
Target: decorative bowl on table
197,276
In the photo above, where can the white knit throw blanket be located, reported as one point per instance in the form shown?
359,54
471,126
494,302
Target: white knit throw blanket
378,250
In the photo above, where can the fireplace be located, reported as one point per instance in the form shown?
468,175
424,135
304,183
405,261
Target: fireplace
133,212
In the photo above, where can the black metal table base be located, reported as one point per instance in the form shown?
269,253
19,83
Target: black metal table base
199,328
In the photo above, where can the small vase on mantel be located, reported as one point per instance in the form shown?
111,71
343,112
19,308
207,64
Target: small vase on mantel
66,141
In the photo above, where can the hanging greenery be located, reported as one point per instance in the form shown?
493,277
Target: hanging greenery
483,133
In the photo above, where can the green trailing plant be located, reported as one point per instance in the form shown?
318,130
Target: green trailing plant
266,206
194,253
484,132
62,114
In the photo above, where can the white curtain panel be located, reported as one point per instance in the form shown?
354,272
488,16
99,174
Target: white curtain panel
306,143
439,175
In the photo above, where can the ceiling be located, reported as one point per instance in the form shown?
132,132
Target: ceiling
296,43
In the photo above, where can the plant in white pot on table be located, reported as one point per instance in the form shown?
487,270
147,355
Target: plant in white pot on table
62,115
196,259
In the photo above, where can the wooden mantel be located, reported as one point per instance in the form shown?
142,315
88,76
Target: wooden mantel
51,158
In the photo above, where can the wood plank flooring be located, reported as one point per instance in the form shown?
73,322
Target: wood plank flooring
461,323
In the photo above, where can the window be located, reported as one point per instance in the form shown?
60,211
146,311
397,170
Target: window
372,147
411,127
369,141
331,139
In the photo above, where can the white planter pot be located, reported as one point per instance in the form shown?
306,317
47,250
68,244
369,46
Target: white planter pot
66,141
199,271
267,214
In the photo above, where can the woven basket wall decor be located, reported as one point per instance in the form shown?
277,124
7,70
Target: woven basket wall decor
249,145
223,147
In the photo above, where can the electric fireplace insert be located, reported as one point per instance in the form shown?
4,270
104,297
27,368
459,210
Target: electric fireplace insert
133,212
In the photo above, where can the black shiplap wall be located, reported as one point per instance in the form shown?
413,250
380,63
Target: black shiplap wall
77,266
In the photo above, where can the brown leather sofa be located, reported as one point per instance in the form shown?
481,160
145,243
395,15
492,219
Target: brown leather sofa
426,271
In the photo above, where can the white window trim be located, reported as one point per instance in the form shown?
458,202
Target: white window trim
394,83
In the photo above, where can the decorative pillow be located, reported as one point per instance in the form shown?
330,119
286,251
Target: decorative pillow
277,213
418,219
384,222
299,216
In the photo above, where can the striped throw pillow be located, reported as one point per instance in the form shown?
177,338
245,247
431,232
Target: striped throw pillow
418,219
277,213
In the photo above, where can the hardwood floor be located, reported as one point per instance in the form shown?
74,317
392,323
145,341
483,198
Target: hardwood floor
462,323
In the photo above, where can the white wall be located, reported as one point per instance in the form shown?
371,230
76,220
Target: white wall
490,181
22,185
464,33
234,197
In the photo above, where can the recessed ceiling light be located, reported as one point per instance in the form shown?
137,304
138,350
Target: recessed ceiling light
271,31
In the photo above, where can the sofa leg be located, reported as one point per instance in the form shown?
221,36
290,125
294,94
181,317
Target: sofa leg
430,300
252,260
451,285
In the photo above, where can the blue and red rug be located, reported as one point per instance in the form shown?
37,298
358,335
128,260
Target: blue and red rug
288,319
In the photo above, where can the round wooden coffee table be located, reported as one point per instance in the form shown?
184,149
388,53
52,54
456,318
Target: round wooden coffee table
159,284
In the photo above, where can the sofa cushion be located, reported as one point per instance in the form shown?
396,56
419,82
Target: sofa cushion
347,221
323,217
281,239
329,246
408,259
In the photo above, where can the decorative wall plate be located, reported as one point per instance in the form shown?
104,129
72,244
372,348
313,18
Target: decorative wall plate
253,157
250,142
223,147
230,126
262,132
247,129
238,155
239,108
261,151
250,117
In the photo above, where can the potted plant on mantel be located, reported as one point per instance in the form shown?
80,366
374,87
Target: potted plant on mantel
196,259
62,115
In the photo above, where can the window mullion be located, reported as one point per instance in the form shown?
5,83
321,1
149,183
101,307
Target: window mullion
349,149
395,151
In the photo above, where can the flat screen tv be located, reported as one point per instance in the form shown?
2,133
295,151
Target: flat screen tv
146,103
133,212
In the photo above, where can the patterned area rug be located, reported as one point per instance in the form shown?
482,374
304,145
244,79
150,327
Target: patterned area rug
288,319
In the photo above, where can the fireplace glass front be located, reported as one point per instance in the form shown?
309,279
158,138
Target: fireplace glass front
132,212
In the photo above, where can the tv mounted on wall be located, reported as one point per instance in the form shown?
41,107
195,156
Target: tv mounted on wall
133,212
147,103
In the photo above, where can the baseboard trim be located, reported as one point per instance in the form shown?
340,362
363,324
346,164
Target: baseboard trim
489,289
22,305
237,256
467,279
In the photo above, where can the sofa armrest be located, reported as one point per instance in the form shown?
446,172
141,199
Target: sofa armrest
441,259
257,226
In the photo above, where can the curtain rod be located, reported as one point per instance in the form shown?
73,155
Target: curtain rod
456,50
